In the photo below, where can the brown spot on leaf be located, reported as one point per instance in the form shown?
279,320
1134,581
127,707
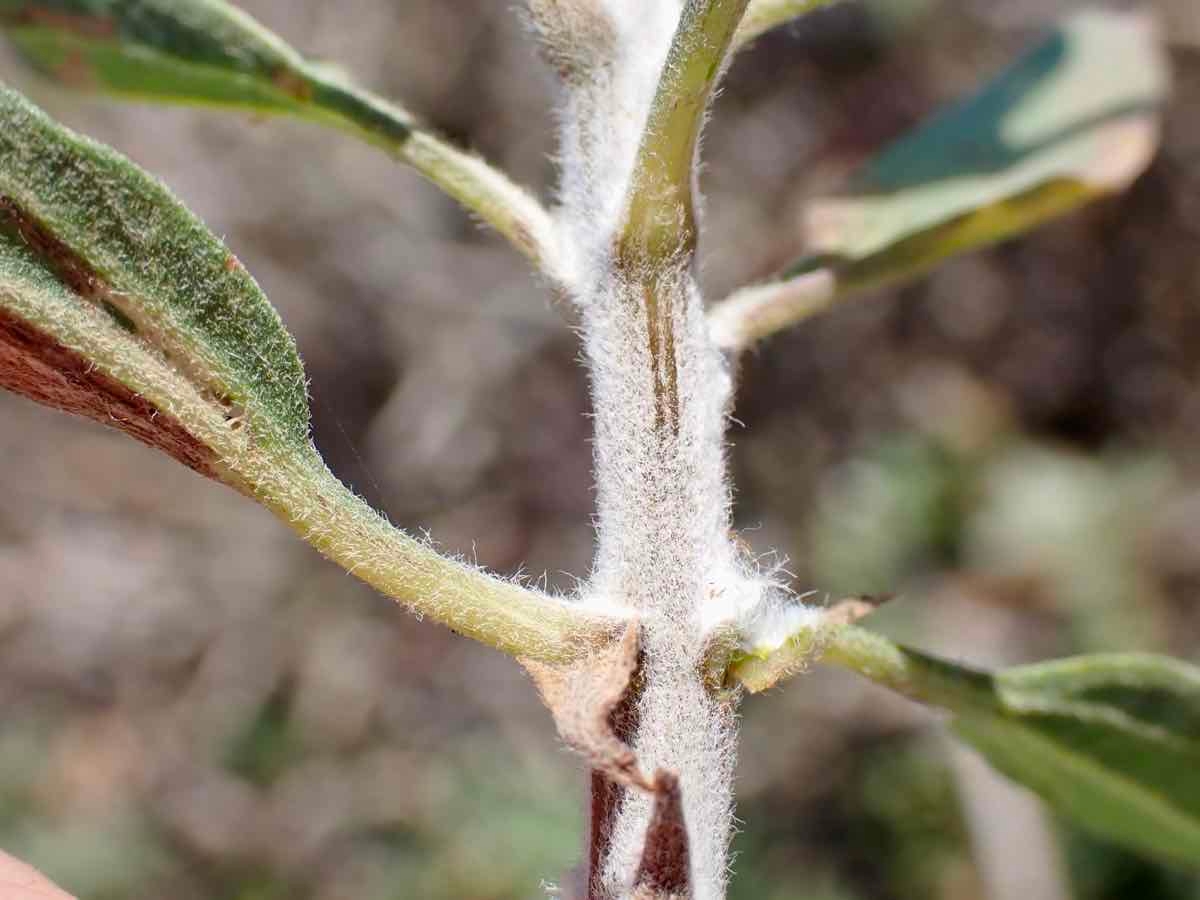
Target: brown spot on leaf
36,366
292,83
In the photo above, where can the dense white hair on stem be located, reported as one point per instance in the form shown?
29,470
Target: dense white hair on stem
663,547
660,394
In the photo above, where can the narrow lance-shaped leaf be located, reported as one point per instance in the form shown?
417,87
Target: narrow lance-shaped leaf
1111,740
209,52
116,303
1075,119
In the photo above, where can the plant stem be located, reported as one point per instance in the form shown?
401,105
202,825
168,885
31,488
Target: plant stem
908,672
502,614
508,208
661,219
661,392
756,312
658,238
916,675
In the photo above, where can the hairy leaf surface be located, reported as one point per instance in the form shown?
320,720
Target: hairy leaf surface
118,304
103,262
1110,740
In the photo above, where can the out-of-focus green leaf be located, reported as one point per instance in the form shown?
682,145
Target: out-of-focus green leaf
1110,740
182,51
1076,118
1113,741
117,303
211,53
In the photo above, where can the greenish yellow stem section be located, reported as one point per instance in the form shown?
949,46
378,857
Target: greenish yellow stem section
502,614
908,672
480,188
756,312
660,220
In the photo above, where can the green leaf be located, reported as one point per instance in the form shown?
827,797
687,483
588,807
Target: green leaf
208,52
1076,118
180,51
118,304
1110,740
100,261
1113,741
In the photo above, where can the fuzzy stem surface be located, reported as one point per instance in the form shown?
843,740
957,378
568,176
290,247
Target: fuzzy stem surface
661,392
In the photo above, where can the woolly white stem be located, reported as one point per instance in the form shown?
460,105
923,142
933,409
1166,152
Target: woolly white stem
664,548
639,77
661,392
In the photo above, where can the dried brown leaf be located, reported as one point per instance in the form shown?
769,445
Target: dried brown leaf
584,698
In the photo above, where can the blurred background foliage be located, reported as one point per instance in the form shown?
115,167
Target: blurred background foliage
195,706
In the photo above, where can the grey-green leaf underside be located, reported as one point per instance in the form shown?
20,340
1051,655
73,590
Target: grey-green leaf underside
1110,740
1076,118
